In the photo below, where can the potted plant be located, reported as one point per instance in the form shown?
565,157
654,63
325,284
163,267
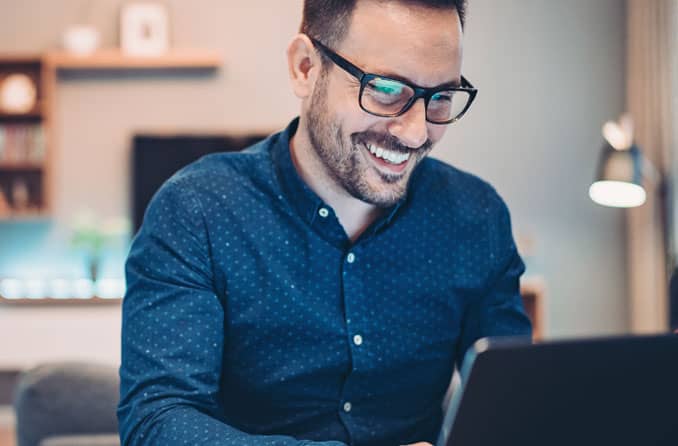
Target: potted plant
92,236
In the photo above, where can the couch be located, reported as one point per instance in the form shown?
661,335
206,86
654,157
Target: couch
67,404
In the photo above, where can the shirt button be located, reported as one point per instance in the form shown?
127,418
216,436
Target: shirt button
357,339
347,407
323,212
350,258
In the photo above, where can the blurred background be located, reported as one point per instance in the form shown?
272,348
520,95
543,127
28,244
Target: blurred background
101,100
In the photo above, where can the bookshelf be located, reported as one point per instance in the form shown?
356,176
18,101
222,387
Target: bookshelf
29,139
23,161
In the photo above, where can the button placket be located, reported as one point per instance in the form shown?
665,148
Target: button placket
352,292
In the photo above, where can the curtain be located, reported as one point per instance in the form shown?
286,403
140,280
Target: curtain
651,89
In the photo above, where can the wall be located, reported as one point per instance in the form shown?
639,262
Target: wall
549,74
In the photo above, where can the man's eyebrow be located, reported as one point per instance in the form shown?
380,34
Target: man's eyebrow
397,77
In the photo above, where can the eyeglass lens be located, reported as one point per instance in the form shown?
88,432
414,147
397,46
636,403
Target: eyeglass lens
388,97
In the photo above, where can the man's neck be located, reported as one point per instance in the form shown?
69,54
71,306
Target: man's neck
354,215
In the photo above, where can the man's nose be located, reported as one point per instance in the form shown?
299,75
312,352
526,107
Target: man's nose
411,127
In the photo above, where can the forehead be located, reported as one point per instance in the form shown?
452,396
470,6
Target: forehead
419,43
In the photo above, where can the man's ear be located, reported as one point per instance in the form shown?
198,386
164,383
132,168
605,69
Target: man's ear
304,65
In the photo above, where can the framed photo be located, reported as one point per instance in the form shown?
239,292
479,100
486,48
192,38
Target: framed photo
144,28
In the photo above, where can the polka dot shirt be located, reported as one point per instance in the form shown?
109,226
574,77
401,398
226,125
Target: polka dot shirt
251,318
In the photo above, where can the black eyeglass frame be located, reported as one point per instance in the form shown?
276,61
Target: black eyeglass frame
419,92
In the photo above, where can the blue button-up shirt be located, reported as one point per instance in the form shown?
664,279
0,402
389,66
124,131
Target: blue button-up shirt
252,319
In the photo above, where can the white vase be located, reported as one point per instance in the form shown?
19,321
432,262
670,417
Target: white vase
81,39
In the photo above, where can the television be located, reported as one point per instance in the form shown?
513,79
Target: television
155,158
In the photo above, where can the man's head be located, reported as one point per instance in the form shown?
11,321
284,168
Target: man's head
372,157
329,20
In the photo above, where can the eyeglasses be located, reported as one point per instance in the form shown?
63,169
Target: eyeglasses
388,97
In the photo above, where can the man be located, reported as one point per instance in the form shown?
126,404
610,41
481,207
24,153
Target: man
319,287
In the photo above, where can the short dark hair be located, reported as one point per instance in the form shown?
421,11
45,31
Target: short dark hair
328,20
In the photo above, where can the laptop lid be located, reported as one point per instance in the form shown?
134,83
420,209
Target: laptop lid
614,391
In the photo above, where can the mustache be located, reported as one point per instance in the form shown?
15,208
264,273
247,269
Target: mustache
388,142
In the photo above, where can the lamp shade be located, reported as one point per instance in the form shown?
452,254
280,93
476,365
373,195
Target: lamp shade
619,178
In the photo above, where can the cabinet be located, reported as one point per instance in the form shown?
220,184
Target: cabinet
23,142
29,139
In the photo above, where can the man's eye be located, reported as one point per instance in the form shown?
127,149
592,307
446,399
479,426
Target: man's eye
442,97
386,87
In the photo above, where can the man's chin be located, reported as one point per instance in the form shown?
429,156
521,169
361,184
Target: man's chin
381,197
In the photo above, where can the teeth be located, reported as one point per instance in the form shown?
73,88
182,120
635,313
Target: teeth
388,155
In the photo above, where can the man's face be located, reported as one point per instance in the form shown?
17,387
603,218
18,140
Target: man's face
418,44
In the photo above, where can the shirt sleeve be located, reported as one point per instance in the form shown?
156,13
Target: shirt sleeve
498,309
173,334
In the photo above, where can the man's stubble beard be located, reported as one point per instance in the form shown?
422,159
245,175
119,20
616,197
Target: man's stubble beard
343,161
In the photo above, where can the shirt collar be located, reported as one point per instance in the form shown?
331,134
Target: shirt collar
306,202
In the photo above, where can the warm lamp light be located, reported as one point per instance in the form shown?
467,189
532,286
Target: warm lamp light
617,194
619,179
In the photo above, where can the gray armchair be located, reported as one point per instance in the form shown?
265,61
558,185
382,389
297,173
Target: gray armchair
67,404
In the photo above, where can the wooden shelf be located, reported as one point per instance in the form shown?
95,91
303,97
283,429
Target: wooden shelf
44,68
20,58
30,116
24,141
20,166
33,114
115,59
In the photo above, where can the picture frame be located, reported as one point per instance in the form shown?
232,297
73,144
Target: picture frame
144,28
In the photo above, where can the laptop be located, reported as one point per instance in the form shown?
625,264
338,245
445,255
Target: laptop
590,392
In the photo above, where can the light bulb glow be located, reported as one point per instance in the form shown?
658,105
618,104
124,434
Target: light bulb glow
83,289
35,289
110,288
60,288
617,194
11,289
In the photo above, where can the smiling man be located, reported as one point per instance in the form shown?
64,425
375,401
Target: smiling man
320,286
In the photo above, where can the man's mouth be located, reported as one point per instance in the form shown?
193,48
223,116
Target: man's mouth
391,160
